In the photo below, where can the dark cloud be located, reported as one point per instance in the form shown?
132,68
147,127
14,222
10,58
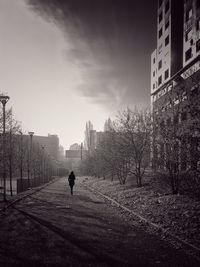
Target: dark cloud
110,41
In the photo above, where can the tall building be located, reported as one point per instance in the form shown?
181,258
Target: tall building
167,58
175,69
87,141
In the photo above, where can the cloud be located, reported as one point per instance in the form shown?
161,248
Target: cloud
102,42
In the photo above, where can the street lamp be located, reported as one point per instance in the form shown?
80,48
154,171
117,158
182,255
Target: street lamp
30,156
4,99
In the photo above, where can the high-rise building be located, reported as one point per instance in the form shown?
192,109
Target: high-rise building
87,140
178,44
175,73
167,58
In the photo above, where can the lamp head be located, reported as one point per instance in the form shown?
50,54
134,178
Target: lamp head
4,99
31,133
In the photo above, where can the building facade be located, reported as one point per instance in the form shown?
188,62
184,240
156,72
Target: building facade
175,77
167,58
49,142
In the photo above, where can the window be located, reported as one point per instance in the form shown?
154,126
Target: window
154,86
160,80
160,17
188,54
167,25
166,74
167,40
188,35
154,74
160,33
198,46
160,2
160,64
188,14
154,60
167,7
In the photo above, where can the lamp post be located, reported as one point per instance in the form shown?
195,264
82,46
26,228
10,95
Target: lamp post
30,156
4,100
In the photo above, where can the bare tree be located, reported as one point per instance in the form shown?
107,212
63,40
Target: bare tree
134,127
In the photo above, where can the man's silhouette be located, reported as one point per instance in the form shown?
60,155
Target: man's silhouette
71,179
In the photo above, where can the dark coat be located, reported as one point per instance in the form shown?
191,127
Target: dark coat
71,179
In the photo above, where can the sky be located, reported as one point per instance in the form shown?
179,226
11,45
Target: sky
66,62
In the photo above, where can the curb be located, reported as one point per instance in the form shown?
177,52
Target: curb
145,220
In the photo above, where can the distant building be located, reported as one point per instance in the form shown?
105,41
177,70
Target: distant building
75,154
99,138
87,141
50,143
61,153
75,147
108,125
93,138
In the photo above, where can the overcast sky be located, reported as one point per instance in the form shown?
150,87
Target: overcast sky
66,62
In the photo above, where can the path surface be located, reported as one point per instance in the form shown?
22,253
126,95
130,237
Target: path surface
53,228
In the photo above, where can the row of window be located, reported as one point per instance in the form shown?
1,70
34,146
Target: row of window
189,11
166,76
188,53
189,33
160,33
167,6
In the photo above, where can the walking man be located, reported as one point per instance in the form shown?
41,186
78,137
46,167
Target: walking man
71,180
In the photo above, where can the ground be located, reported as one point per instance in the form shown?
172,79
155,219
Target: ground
177,214
53,228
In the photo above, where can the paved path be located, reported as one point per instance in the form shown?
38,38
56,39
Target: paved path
53,228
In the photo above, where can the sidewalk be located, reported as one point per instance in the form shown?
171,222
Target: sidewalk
52,228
